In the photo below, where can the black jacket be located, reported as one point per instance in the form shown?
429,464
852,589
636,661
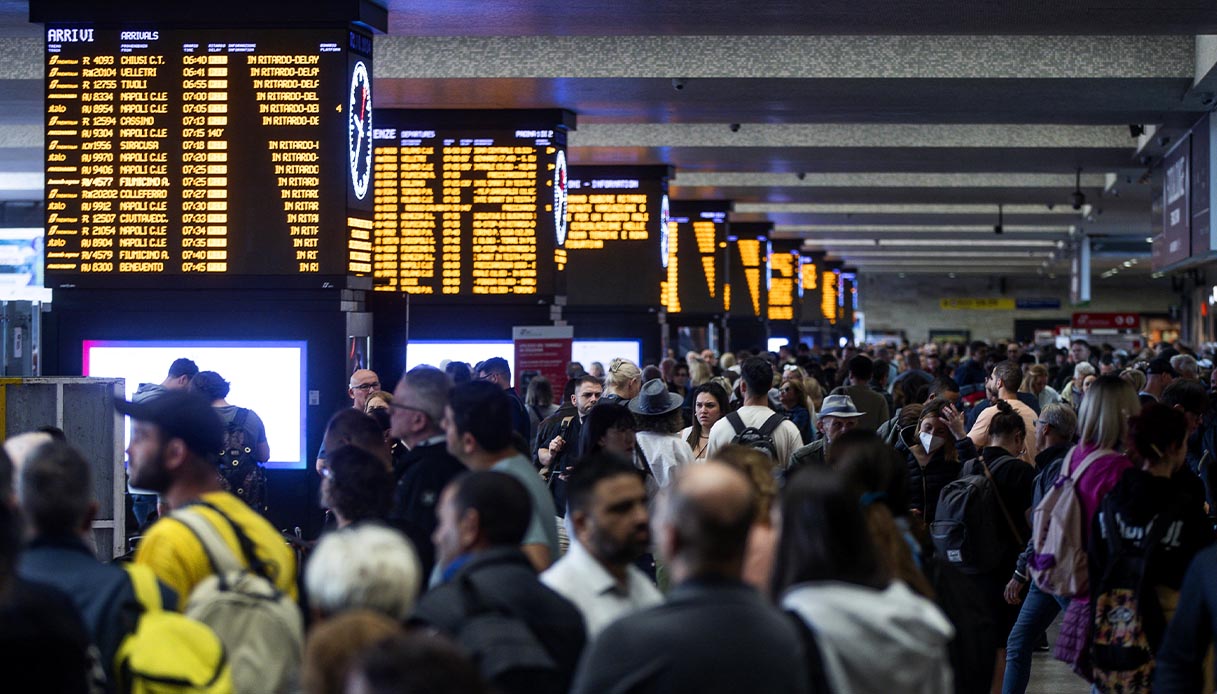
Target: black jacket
712,636
1135,500
926,483
504,579
429,469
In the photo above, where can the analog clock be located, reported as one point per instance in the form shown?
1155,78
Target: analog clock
359,129
560,191
664,217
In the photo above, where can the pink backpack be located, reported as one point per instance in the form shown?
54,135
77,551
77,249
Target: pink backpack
1058,560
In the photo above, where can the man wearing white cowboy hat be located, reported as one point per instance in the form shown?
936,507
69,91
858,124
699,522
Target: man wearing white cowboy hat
837,416
660,447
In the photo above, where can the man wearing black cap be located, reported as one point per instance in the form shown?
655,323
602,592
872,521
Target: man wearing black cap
173,441
1159,375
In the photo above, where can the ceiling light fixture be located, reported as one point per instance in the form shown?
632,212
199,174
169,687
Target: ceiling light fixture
1078,198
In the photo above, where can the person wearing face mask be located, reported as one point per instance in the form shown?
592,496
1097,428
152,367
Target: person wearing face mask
934,458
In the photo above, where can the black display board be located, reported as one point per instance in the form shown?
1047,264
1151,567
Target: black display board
215,157
747,244
469,203
616,244
697,232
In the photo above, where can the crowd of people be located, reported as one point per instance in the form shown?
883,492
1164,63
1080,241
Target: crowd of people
886,518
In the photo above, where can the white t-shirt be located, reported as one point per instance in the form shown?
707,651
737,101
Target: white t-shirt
663,453
786,437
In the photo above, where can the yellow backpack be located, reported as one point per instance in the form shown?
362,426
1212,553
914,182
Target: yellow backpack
168,653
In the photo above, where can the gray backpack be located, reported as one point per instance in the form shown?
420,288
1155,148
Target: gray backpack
260,626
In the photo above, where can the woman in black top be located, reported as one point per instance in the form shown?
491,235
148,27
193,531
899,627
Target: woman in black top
1150,499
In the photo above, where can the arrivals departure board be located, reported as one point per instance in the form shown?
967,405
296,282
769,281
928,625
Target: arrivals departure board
697,233
784,287
747,265
469,203
809,280
231,153
616,246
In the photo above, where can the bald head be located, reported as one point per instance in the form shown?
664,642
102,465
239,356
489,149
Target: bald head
703,522
363,383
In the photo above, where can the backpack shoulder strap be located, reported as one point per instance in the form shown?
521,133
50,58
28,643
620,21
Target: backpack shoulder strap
1076,473
771,425
219,556
1018,538
143,583
248,548
238,422
737,422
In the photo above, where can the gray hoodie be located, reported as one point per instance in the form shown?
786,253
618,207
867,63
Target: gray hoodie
876,641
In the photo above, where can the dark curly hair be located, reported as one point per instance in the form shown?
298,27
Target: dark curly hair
1007,422
210,385
360,486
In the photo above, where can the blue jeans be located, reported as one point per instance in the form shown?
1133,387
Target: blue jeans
1038,611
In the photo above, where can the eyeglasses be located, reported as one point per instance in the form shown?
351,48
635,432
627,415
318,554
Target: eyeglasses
407,408
374,385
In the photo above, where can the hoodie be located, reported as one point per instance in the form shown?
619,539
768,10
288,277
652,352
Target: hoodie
857,628
148,391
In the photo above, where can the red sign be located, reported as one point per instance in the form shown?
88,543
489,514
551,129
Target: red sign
543,350
1107,321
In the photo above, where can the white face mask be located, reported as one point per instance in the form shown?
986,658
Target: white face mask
930,442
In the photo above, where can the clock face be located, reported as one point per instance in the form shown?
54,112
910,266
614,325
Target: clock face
664,218
560,191
359,129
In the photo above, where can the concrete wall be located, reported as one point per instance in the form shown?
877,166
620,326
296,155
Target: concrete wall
912,303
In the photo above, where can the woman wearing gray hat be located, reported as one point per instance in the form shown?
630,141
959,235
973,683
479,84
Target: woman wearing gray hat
660,447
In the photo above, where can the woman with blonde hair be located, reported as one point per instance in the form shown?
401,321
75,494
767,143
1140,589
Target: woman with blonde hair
622,382
1096,465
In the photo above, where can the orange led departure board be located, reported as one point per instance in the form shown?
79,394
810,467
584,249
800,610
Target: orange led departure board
830,296
748,267
469,203
694,279
617,248
207,152
784,284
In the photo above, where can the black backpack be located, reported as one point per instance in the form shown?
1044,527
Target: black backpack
241,473
1126,617
505,648
967,527
761,439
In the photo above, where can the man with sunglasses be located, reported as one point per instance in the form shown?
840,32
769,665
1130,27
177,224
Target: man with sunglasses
416,417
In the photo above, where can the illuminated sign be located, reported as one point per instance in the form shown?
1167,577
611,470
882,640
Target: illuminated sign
205,152
748,267
466,201
696,230
615,251
784,285
829,295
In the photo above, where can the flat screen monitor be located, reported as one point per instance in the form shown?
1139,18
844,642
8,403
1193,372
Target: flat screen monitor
437,352
266,376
